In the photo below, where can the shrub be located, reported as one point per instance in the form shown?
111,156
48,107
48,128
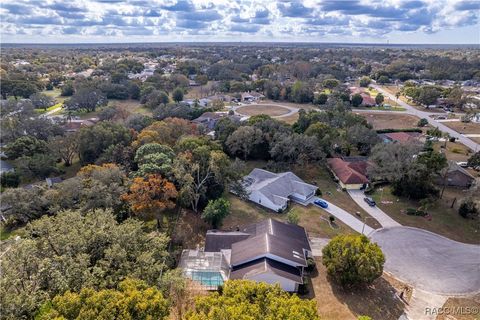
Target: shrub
353,260
293,217
318,192
456,150
415,212
10,180
422,122
468,209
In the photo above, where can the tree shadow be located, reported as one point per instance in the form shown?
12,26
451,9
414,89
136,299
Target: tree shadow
378,301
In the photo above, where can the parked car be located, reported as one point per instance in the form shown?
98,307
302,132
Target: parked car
463,164
370,201
321,203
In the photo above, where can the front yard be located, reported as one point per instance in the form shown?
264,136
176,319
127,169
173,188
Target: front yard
336,303
444,220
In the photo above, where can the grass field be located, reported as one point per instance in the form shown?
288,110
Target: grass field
268,109
49,108
462,127
390,120
444,220
454,151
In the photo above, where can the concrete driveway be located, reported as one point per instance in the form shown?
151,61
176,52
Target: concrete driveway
430,262
377,213
345,217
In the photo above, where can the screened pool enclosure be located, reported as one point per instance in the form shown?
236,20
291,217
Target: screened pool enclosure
210,269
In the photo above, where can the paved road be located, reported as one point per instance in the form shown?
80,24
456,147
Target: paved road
422,114
429,261
383,218
350,220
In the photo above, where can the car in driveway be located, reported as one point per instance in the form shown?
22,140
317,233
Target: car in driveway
370,201
321,203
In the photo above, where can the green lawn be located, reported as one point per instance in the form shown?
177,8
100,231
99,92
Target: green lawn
444,220
49,108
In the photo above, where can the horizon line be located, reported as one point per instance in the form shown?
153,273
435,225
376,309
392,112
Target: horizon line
237,42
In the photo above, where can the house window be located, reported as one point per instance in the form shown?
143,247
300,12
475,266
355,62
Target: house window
259,200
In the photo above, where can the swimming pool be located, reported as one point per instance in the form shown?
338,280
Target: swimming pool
208,278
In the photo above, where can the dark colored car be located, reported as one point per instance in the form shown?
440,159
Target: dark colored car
321,203
370,202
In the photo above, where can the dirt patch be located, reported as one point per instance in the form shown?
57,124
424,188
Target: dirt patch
462,127
454,151
379,301
461,309
390,120
268,109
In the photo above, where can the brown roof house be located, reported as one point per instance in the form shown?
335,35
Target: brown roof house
269,251
402,137
457,176
351,172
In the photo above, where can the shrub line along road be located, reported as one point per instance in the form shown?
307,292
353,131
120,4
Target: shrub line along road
423,114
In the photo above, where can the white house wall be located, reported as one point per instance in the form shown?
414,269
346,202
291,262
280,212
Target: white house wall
259,198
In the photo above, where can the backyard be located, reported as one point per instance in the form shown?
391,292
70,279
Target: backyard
443,220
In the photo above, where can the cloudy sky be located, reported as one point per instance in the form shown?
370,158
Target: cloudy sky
377,21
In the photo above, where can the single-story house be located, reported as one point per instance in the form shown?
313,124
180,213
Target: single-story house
251,96
367,100
197,102
210,119
275,190
269,251
457,176
351,172
402,137
75,125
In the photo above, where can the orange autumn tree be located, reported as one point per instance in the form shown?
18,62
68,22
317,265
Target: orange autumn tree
150,196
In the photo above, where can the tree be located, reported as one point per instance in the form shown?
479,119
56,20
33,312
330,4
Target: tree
156,98
64,147
67,89
428,95
39,165
456,97
474,160
383,79
133,299
9,179
151,196
138,122
86,99
167,132
243,140
468,209
94,140
379,99
41,100
301,93
422,122
216,211
154,158
362,138
320,99
25,146
353,260
357,100
243,299
177,95
330,83
365,81
201,169
71,251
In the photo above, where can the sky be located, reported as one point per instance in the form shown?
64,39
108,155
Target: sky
351,21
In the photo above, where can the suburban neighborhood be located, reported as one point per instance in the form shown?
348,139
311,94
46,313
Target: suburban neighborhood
239,180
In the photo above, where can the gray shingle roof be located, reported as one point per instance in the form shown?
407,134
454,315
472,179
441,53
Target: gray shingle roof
264,265
277,187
